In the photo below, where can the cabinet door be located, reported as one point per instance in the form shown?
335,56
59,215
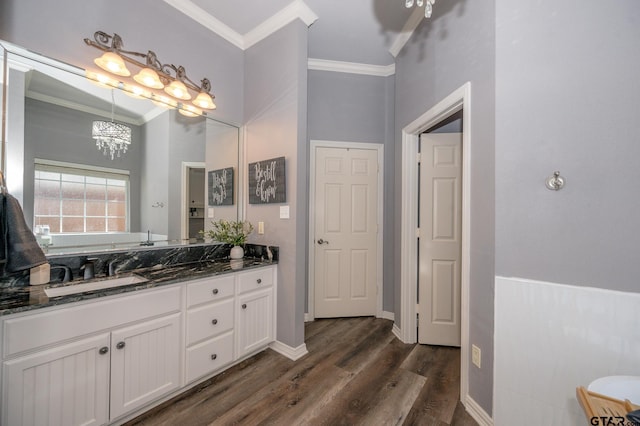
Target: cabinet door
145,363
255,321
65,385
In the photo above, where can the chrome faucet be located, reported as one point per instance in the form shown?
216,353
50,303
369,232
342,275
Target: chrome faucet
88,269
68,275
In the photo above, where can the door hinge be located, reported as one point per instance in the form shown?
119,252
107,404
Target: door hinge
418,157
417,232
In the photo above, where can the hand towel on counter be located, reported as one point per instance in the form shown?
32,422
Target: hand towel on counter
18,246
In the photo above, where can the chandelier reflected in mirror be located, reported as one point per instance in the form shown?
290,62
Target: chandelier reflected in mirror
428,6
112,138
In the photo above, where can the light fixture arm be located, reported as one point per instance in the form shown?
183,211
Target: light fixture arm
166,72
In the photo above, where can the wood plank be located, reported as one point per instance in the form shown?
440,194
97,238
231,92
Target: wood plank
441,393
395,400
361,394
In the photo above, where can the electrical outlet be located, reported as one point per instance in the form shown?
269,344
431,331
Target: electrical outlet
476,356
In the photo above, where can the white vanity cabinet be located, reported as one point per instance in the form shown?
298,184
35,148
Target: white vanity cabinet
256,313
209,325
105,360
90,363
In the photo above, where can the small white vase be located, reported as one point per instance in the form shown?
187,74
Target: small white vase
237,252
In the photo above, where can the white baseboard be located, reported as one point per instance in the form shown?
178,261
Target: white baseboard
308,318
388,315
397,332
293,354
475,411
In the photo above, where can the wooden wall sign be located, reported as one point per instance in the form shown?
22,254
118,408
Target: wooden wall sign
221,187
267,182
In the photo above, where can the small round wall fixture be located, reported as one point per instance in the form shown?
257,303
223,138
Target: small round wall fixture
555,182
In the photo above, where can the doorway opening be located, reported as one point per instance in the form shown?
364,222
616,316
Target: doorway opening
459,100
193,200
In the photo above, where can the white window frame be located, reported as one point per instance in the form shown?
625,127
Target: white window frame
87,171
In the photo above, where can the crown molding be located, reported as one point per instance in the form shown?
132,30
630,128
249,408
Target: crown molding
208,21
351,67
296,10
407,31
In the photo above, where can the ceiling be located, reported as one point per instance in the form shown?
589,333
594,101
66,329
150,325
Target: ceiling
357,31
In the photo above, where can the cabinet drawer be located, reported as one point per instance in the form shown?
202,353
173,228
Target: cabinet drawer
210,320
209,356
53,326
208,290
254,280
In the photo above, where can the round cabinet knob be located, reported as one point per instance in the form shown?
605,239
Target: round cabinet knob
259,280
120,345
215,291
244,306
213,357
103,350
214,321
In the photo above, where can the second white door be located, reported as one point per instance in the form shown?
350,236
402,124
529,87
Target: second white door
440,239
346,226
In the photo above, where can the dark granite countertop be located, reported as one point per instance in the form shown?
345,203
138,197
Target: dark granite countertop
26,298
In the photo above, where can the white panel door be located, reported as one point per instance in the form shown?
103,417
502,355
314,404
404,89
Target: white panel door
346,202
145,363
65,385
440,239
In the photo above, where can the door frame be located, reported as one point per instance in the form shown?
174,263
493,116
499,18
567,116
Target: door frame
310,315
460,99
184,196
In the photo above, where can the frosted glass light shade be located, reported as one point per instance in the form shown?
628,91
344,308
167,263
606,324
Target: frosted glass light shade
190,111
203,100
178,90
149,78
113,63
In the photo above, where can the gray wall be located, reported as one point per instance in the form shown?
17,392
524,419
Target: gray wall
455,46
188,143
61,134
57,29
155,176
567,99
276,125
359,108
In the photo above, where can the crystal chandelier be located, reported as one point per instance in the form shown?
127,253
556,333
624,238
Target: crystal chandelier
110,136
428,6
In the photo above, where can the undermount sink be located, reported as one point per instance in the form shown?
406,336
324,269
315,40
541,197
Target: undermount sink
93,285
619,387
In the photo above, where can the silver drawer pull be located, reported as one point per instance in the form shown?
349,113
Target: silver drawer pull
213,357
244,306
214,321
259,280
120,345
103,350
215,291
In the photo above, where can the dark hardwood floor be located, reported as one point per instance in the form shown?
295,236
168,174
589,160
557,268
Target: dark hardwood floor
356,373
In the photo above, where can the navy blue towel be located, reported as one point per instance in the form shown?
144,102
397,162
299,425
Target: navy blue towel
18,246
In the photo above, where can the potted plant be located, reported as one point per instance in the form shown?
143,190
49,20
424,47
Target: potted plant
234,232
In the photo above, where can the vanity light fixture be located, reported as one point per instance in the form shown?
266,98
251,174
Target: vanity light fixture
152,75
428,6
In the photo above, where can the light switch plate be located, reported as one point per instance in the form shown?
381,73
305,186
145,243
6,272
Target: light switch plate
476,356
210,212
260,228
284,212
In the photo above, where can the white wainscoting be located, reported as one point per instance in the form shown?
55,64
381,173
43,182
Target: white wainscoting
551,338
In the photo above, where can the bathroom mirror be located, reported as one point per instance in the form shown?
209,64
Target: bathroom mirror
49,108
